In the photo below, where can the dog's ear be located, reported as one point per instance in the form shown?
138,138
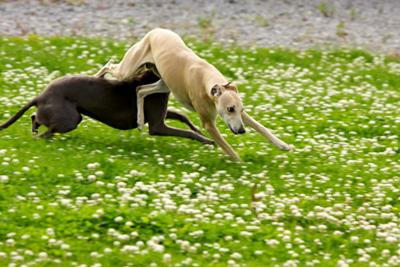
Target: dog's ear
227,85
230,86
216,90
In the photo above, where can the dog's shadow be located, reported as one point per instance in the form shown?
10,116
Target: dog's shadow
92,137
127,142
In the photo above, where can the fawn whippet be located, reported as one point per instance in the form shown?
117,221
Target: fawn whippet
194,82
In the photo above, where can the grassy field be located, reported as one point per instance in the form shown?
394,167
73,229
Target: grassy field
103,197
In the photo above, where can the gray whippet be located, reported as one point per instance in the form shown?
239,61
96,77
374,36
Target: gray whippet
109,101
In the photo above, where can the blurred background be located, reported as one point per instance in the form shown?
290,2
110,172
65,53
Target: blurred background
368,24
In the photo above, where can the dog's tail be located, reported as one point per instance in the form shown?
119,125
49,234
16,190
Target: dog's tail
19,114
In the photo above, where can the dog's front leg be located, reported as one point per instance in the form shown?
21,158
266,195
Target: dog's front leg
265,132
182,118
142,92
212,129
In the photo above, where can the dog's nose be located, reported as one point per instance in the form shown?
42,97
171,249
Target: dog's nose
241,130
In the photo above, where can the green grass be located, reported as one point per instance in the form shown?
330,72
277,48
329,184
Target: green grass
123,198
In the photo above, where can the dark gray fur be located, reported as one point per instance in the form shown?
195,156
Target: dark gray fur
109,101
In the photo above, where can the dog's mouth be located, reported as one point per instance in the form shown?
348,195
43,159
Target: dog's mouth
241,130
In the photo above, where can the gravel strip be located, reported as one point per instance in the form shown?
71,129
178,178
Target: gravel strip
369,24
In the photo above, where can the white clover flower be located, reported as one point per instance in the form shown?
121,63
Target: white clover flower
91,178
173,236
50,231
25,236
342,263
42,255
4,178
100,183
354,239
197,233
157,247
338,233
95,254
119,219
391,239
99,173
246,233
92,166
272,242
236,255
26,169
65,246
167,258
10,242
95,235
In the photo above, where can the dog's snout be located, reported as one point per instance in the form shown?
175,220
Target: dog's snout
242,130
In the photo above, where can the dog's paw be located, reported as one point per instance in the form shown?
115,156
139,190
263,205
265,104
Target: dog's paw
140,124
209,142
286,147
194,129
109,63
235,158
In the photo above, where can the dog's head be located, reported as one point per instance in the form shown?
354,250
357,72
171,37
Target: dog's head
229,106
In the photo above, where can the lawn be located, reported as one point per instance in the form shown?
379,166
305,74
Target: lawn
102,197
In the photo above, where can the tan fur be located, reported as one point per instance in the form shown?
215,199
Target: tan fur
190,79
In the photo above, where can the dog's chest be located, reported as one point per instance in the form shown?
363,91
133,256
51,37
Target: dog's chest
184,102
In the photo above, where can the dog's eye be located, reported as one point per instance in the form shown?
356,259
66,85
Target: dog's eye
231,109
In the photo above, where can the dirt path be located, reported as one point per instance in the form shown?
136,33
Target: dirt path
370,24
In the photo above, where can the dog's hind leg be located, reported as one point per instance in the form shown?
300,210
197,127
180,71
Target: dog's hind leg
35,124
109,67
49,133
164,130
173,115
134,58
142,92
59,117
66,118
265,132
